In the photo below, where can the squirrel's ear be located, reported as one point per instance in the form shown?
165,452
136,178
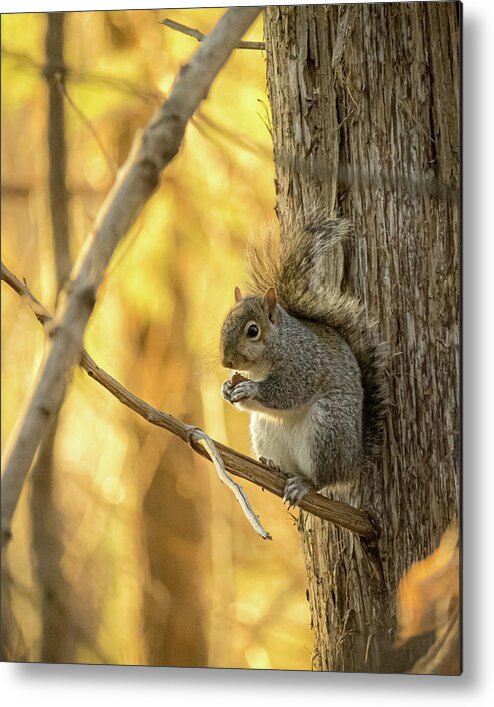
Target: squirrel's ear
270,302
238,294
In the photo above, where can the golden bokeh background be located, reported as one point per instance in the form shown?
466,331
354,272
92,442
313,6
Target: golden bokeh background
149,558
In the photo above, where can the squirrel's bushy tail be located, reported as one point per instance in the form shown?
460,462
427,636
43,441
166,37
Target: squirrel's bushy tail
297,267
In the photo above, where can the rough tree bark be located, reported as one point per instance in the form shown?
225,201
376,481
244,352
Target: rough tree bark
364,102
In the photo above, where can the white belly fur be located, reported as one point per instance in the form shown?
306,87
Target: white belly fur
285,442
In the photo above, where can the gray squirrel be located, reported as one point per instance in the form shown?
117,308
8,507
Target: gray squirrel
316,375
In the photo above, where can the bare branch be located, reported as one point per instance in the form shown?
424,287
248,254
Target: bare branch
337,512
112,165
245,142
200,36
137,181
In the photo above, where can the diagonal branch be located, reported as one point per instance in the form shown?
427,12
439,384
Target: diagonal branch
337,512
137,181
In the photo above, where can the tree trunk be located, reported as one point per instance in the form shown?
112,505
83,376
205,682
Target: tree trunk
365,103
56,642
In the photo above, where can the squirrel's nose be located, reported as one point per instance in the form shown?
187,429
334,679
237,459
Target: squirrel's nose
227,364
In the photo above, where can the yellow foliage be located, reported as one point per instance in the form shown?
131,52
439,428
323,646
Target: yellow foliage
428,601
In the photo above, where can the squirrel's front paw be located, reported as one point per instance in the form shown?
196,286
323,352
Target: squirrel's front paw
246,390
226,390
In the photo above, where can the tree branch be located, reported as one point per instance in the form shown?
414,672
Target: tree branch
200,36
137,181
198,435
337,512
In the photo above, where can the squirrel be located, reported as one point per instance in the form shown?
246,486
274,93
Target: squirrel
316,374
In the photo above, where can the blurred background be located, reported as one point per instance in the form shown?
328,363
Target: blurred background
127,548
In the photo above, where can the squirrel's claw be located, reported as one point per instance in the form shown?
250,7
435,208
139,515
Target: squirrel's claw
295,489
226,390
243,391
270,463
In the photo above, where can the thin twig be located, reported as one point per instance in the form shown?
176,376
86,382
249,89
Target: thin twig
118,84
240,140
337,512
201,437
200,36
138,179
112,165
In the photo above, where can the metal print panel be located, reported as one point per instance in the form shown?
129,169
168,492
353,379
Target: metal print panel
230,350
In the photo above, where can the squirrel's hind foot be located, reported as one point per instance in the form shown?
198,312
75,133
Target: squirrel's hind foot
270,463
296,488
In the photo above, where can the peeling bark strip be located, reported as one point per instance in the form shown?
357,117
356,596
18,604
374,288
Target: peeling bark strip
135,185
374,88
355,520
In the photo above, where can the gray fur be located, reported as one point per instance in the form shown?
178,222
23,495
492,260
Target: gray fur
316,387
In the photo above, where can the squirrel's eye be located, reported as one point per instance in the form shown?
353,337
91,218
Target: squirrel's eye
252,331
